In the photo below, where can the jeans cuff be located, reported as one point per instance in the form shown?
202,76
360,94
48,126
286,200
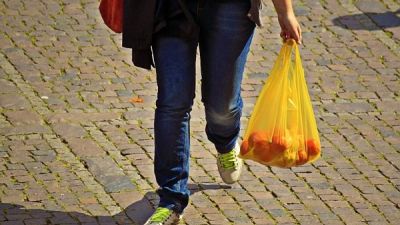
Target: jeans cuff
172,207
170,203
227,149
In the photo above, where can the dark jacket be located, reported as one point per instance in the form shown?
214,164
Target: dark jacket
143,17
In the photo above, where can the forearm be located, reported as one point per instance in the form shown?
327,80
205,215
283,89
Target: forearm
283,7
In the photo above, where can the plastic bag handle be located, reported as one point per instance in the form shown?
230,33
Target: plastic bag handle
294,47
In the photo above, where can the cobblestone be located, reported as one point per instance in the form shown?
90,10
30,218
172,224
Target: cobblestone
75,150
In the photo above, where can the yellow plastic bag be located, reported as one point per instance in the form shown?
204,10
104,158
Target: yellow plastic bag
282,130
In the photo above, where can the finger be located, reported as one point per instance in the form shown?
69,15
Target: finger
290,33
282,34
296,36
286,36
300,35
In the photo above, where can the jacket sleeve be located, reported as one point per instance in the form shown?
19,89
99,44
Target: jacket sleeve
137,31
138,23
143,58
255,12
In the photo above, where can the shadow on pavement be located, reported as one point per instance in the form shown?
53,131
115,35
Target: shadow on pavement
137,212
382,20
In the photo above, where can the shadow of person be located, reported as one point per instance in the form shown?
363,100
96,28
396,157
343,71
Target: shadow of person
382,20
135,214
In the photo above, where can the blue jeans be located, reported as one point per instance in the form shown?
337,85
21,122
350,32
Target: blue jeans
224,41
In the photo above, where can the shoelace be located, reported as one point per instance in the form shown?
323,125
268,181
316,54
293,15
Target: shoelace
160,215
228,160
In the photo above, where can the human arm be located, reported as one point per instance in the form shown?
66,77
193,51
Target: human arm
290,28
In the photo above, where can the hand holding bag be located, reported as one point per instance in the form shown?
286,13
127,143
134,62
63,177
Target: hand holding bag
112,13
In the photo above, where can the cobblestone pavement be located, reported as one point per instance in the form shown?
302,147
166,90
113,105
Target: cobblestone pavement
75,150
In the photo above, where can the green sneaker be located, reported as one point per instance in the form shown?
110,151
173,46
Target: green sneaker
230,165
164,216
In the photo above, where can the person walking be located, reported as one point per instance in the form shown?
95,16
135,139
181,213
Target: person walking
165,34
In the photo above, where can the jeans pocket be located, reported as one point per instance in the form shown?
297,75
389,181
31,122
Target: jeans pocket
231,16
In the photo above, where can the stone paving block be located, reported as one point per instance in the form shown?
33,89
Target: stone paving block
109,174
12,223
14,101
68,130
23,117
81,117
349,107
85,147
7,87
24,129
35,221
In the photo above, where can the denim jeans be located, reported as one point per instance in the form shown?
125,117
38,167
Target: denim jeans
224,41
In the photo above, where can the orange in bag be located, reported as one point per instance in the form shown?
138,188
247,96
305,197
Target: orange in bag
281,142
258,141
302,157
313,148
244,147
